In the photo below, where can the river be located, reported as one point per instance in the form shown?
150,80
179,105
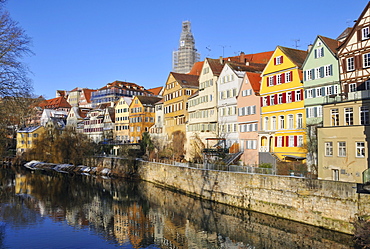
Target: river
53,210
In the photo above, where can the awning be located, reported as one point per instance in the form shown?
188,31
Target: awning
295,157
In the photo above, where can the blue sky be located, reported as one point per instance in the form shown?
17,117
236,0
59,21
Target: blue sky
89,43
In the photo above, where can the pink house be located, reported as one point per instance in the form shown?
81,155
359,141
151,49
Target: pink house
248,104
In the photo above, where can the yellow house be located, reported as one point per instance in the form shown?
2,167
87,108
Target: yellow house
26,138
282,106
142,115
179,87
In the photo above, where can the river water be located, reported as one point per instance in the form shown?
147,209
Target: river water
54,210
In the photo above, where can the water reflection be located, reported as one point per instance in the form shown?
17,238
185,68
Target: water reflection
140,215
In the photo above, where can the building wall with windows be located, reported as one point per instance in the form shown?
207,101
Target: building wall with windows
248,106
122,123
282,99
343,141
26,138
178,88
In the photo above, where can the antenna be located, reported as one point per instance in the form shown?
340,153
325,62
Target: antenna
223,49
296,43
209,50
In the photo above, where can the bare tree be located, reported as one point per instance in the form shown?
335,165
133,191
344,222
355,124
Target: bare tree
14,83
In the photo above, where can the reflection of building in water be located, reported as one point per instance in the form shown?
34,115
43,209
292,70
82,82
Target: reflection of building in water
21,186
131,224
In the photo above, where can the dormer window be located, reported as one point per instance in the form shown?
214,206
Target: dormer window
319,52
278,60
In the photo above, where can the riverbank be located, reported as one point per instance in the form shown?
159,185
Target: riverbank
328,204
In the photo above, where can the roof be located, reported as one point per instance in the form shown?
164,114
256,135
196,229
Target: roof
148,100
186,80
197,68
55,103
29,129
124,85
87,94
156,90
254,80
330,43
344,34
297,56
249,67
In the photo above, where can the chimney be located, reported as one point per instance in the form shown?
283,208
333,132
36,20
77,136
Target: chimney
309,47
242,57
221,60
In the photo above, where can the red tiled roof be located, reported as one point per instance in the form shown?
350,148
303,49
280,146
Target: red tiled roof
297,56
55,103
255,81
331,44
197,68
156,90
87,93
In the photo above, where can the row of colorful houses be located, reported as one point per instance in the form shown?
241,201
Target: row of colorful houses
286,105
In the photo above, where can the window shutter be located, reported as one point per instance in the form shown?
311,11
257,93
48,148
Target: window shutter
358,61
322,51
282,141
276,141
313,74
315,53
304,75
274,80
293,96
287,141
307,113
276,99
331,70
267,81
302,97
275,61
295,141
315,111
321,72
284,97
283,78
323,91
281,59
313,93
268,100
291,75
344,65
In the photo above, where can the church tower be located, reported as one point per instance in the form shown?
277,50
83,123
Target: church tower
184,58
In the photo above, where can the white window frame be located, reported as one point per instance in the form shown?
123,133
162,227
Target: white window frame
342,149
360,149
365,33
366,60
328,148
350,64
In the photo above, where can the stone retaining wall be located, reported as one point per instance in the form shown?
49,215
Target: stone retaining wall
328,204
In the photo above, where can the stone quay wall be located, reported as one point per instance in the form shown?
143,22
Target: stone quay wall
328,204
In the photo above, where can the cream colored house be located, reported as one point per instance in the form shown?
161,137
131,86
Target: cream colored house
122,130
342,144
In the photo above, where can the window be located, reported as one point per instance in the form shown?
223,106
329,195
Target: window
360,149
328,148
272,99
290,121
328,71
271,80
308,75
279,79
365,33
288,76
309,93
273,123
281,122
328,90
291,141
334,117
364,115
299,121
300,141
350,64
319,52
266,124
317,73
298,96
264,101
280,98
278,60
289,97
342,149
318,92
280,141
366,61
348,116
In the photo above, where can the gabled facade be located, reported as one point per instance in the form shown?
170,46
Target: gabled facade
142,114
93,124
249,113
122,124
48,114
343,140
157,130
321,86
26,138
283,114
59,104
178,88
76,117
